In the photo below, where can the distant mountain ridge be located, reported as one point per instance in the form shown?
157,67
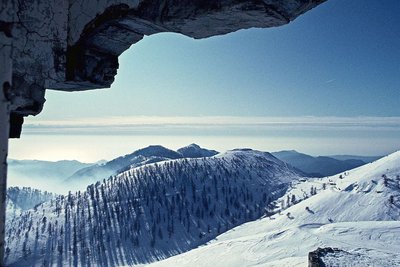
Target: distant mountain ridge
139,157
147,155
322,165
195,151
74,175
366,159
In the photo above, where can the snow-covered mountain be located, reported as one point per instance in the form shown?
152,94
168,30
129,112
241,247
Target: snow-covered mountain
151,154
357,212
149,213
27,198
24,198
195,151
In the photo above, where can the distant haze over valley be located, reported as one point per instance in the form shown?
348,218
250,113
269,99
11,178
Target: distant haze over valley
93,139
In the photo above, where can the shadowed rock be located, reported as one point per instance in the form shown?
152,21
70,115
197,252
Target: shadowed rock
315,257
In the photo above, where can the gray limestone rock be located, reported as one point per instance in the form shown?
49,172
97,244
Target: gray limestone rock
315,258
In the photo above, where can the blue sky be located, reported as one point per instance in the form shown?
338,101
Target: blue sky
342,59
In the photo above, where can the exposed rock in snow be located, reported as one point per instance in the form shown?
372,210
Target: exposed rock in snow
315,257
333,257
74,45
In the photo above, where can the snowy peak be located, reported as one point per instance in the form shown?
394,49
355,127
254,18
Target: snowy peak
195,151
135,158
156,151
253,156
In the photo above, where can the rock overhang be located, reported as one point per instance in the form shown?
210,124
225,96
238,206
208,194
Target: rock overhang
74,45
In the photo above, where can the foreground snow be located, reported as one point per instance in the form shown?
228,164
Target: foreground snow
358,212
368,242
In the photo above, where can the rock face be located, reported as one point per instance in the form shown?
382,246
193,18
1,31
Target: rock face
74,45
315,257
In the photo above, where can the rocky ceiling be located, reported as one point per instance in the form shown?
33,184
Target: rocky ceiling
74,45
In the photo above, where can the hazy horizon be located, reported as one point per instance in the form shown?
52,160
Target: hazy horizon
127,149
91,140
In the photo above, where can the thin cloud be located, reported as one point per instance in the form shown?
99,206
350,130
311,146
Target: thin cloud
330,81
229,124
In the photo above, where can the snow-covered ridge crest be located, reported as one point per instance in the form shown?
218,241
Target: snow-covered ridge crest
195,151
282,172
144,156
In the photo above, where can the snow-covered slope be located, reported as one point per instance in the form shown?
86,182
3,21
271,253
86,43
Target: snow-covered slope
83,177
24,198
12,209
27,198
150,212
357,211
151,154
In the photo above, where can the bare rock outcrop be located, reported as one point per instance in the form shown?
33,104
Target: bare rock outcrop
318,257
74,45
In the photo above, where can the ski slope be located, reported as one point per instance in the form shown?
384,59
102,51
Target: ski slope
357,211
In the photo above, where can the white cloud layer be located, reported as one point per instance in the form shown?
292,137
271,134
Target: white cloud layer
157,125
92,139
